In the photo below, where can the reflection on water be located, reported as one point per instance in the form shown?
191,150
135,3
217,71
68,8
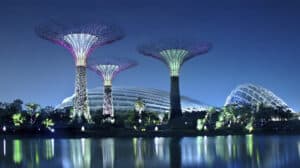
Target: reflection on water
108,152
80,151
219,151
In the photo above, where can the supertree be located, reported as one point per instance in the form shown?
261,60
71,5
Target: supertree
107,69
174,53
80,40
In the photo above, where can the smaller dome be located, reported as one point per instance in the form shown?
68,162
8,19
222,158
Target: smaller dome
250,94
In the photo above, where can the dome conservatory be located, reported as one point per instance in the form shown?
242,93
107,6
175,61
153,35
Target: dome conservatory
252,95
124,98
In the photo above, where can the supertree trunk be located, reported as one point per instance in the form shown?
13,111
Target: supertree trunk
108,101
81,99
175,111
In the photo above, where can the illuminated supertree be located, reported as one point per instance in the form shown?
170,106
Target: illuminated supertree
107,69
174,53
80,40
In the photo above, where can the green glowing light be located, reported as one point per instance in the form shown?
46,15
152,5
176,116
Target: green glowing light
134,144
48,123
219,124
257,158
49,149
200,124
37,157
18,119
174,58
17,151
249,126
249,143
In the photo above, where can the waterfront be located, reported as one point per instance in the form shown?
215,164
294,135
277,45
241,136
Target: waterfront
201,151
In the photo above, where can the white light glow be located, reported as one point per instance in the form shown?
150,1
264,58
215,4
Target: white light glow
4,128
107,72
108,152
82,145
113,121
82,129
4,147
52,147
174,58
81,44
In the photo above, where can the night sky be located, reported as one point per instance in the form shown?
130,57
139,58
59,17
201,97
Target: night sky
253,41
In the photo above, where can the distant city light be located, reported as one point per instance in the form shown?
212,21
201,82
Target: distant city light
4,128
52,130
156,128
82,129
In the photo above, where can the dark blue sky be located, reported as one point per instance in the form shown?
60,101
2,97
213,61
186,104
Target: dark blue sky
254,41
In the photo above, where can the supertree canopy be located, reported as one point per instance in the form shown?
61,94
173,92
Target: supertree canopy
174,53
107,69
80,40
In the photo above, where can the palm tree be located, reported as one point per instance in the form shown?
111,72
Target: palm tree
33,110
139,106
48,123
18,119
16,106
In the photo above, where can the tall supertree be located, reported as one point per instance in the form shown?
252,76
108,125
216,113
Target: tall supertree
174,53
80,40
107,69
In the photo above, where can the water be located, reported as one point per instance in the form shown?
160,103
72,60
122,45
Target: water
219,151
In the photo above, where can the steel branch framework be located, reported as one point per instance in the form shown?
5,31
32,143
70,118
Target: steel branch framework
107,70
174,53
80,40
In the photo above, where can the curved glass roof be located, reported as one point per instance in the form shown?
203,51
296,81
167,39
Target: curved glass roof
125,97
252,94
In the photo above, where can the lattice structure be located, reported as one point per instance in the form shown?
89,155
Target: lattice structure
80,40
107,70
174,53
157,101
253,95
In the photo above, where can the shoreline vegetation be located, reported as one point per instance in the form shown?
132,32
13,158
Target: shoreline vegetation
36,122
126,133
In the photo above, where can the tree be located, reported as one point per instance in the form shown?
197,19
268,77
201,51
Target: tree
48,123
18,119
16,106
33,110
47,109
263,114
211,118
139,106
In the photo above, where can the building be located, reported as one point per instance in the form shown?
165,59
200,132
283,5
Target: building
124,99
249,94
